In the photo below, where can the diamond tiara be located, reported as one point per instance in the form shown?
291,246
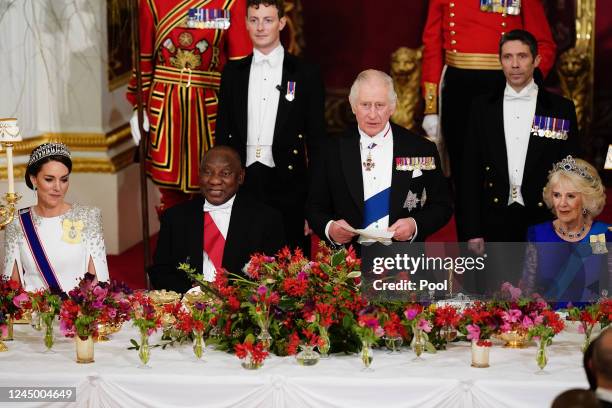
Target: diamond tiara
569,165
46,150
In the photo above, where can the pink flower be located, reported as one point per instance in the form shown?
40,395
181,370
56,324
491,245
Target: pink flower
473,332
581,329
515,293
527,322
66,328
21,298
506,327
512,316
424,325
100,293
379,331
411,313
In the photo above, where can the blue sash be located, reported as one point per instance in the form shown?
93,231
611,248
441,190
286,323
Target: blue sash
376,207
38,251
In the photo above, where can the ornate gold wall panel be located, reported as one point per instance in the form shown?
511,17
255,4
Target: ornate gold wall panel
576,66
81,142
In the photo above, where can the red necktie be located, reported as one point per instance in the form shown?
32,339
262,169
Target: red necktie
214,243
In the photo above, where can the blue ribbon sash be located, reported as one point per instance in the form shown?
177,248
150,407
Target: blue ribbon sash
376,207
38,251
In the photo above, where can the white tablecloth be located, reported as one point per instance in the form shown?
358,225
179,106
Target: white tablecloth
176,379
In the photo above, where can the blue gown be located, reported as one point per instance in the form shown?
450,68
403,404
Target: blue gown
564,271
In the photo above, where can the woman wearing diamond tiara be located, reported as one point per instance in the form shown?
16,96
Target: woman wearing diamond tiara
578,267
53,244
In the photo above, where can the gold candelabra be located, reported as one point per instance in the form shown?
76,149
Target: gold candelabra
9,134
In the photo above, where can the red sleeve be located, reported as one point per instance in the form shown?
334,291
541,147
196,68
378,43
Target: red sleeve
433,44
239,42
147,41
534,21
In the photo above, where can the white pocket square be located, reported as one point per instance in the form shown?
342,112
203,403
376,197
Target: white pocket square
417,173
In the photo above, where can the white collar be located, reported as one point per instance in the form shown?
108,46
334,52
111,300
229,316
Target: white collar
273,58
379,138
527,92
604,394
225,207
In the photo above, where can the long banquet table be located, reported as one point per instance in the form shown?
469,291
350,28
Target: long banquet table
176,379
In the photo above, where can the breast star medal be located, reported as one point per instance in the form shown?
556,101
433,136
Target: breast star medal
411,201
71,231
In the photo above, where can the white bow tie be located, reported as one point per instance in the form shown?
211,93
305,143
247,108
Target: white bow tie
260,59
517,97
223,208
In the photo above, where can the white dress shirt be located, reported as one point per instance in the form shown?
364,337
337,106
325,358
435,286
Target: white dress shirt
220,215
266,74
604,394
379,177
519,110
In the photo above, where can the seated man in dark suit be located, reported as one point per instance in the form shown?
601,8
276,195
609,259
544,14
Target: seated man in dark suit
602,366
222,228
377,176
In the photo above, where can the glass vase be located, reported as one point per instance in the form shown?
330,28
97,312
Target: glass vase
418,343
541,356
9,328
264,338
249,364
367,355
307,356
144,351
198,344
480,355
393,344
324,343
84,349
48,338
35,322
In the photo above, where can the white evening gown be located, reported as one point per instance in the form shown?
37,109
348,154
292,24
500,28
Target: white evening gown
69,240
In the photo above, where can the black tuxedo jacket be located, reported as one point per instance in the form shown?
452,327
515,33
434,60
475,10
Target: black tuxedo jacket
336,191
484,186
253,227
300,124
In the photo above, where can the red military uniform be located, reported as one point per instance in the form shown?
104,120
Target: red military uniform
459,34
181,72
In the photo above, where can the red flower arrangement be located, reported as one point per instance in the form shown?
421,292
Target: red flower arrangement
252,354
13,299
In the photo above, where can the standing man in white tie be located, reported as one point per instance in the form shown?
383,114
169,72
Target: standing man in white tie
377,176
271,110
515,136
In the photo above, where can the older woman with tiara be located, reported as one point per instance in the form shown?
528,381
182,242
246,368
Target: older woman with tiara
567,258
54,243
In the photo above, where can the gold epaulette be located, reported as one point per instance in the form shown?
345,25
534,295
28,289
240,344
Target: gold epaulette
431,98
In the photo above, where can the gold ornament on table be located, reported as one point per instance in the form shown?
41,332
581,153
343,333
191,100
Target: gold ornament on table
161,298
105,330
406,74
515,339
9,134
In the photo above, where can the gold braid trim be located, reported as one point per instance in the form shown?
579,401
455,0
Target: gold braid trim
431,98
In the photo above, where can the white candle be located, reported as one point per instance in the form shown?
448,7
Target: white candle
9,169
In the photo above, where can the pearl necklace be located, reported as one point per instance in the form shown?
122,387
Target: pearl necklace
570,235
